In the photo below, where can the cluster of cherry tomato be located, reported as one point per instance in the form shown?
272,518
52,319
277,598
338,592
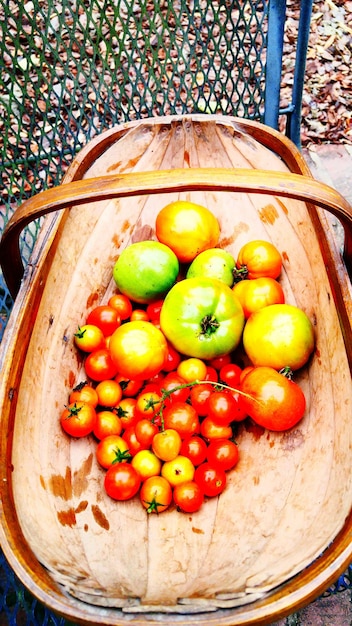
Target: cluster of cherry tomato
169,438
165,419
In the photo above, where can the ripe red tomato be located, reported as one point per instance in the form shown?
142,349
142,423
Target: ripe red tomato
89,337
112,449
156,494
84,393
199,397
99,365
211,479
172,360
78,419
138,349
188,497
195,449
272,400
122,304
229,374
175,385
221,407
122,481
107,423
258,258
182,417
145,430
130,388
223,453
209,429
187,228
105,317
153,309
133,444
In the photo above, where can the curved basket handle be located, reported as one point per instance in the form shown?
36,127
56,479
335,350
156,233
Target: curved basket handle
283,184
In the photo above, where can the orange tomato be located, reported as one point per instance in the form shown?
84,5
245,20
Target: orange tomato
187,228
109,393
257,293
107,423
258,258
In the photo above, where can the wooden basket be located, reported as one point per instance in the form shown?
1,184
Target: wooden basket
281,532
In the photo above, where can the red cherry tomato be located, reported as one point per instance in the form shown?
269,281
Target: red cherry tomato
122,481
211,479
195,449
99,365
223,453
188,497
182,417
106,318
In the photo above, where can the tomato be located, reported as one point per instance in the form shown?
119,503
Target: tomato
211,479
188,497
145,430
174,385
178,470
195,449
156,494
192,369
167,444
145,271
112,449
258,293
187,228
89,337
84,393
153,310
130,438
209,429
199,397
182,417
230,374
278,336
146,463
258,258
138,349
172,360
139,315
107,423
109,393
105,317
126,411
148,404
78,419
99,365
202,318
122,304
223,453
129,387
213,263
218,362
272,400
221,407
239,411
212,374
122,482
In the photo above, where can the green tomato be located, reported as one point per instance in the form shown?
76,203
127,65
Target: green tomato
279,336
202,318
214,263
145,271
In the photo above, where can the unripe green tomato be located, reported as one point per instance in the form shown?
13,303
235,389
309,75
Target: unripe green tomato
145,271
